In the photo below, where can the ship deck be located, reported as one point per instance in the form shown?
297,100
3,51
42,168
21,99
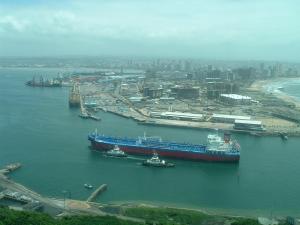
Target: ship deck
140,142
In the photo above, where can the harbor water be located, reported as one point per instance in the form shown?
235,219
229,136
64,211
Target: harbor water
39,130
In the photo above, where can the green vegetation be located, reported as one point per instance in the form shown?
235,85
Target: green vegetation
242,221
166,215
12,217
171,216
151,215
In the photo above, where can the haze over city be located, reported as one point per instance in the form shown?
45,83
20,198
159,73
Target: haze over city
217,29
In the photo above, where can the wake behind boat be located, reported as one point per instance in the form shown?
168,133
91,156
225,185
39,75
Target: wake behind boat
217,149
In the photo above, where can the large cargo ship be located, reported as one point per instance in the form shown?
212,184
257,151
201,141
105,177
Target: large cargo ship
56,82
217,149
75,97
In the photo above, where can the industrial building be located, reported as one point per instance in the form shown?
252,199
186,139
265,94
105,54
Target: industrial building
177,116
167,99
153,92
223,118
136,99
235,99
248,125
214,86
186,92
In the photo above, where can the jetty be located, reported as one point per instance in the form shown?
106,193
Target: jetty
85,114
32,200
98,191
10,168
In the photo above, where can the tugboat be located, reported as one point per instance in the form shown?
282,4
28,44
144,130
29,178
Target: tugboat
156,162
88,186
116,152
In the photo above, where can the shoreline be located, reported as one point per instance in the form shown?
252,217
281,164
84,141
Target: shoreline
229,212
261,86
275,125
89,207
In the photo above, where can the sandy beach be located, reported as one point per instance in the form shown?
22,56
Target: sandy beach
262,86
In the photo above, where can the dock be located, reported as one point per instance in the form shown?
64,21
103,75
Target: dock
32,200
10,168
16,196
85,114
98,191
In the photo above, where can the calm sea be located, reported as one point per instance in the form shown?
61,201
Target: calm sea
39,130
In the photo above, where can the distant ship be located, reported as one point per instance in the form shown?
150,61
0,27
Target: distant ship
217,149
56,82
74,96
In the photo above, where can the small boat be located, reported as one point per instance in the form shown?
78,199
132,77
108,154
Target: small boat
156,162
88,186
116,152
284,136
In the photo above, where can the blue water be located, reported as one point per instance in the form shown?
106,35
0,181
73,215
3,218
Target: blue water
38,129
293,88
290,87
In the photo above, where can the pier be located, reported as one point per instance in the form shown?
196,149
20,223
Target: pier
31,200
84,113
16,196
10,168
98,191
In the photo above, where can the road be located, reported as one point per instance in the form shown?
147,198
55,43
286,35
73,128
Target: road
66,206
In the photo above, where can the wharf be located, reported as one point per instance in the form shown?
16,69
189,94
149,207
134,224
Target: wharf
33,200
87,115
119,103
214,126
98,191
10,168
16,196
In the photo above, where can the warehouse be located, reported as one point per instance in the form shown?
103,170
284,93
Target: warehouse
177,116
228,118
248,125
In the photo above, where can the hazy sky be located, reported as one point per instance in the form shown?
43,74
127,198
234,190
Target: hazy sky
213,29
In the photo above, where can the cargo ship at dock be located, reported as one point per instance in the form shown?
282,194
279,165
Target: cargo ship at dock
44,82
217,149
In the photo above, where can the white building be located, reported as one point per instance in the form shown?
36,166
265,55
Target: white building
248,125
177,116
235,99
